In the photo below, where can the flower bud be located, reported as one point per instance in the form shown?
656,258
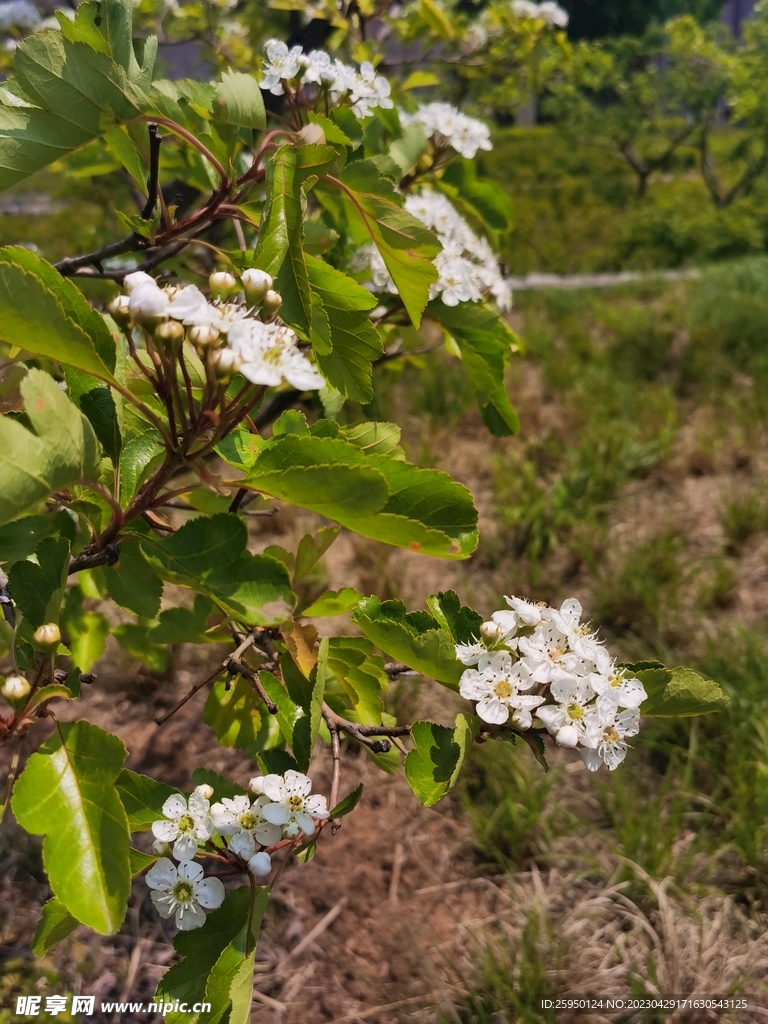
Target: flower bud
169,332
256,785
225,363
256,284
491,631
136,279
15,688
119,307
222,284
205,791
260,863
47,637
270,304
567,737
160,847
311,135
203,336
148,302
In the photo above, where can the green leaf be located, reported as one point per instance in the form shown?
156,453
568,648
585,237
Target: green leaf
234,714
348,803
19,540
135,457
412,638
132,583
409,148
311,549
333,602
221,787
140,862
86,631
54,691
354,341
486,345
59,337
62,451
361,674
184,625
76,89
55,924
349,124
485,202
433,766
333,133
67,793
142,798
37,587
406,246
461,622
238,101
378,496
287,711
679,693
133,638
209,555
375,438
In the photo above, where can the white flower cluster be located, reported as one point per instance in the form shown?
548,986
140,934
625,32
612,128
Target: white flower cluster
448,126
362,87
551,13
263,352
540,667
467,266
283,808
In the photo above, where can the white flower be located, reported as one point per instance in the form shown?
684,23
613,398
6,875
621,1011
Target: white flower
183,892
551,13
187,823
18,14
573,695
281,65
527,613
604,740
133,280
148,301
617,690
293,809
448,126
238,814
268,354
189,305
470,654
496,686
242,844
260,863
318,68
578,637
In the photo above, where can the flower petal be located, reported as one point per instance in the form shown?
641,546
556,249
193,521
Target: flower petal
276,814
163,904
306,823
191,871
185,848
491,710
175,806
165,830
162,875
210,893
297,783
274,787
189,916
268,835
242,845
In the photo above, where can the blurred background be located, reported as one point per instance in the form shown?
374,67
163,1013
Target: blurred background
636,157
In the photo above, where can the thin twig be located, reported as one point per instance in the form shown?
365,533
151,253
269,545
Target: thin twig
336,752
363,733
107,556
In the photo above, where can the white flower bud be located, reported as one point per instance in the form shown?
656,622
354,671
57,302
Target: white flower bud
256,785
203,336
148,302
260,863
205,791
225,363
271,303
134,280
119,307
15,688
162,848
256,284
222,284
491,631
47,637
567,737
311,135
169,332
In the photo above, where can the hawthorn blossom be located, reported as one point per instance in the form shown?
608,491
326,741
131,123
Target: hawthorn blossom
497,687
238,815
291,806
551,13
281,65
185,823
448,126
183,892
604,740
269,354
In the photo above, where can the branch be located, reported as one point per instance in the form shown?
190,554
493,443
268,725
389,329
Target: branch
362,733
154,171
108,556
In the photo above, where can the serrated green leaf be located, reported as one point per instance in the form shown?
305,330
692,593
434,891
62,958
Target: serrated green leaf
461,622
19,539
375,438
333,602
142,798
86,631
67,793
238,101
184,625
133,638
349,124
54,691
32,585
409,148
132,583
287,712
55,924
679,693
413,639
433,766
135,457
405,245
485,202
361,674
311,549
234,714
348,803
62,451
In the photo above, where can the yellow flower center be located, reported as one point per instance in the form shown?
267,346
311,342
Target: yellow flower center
503,689
575,712
610,735
296,803
556,655
248,820
186,823
182,892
